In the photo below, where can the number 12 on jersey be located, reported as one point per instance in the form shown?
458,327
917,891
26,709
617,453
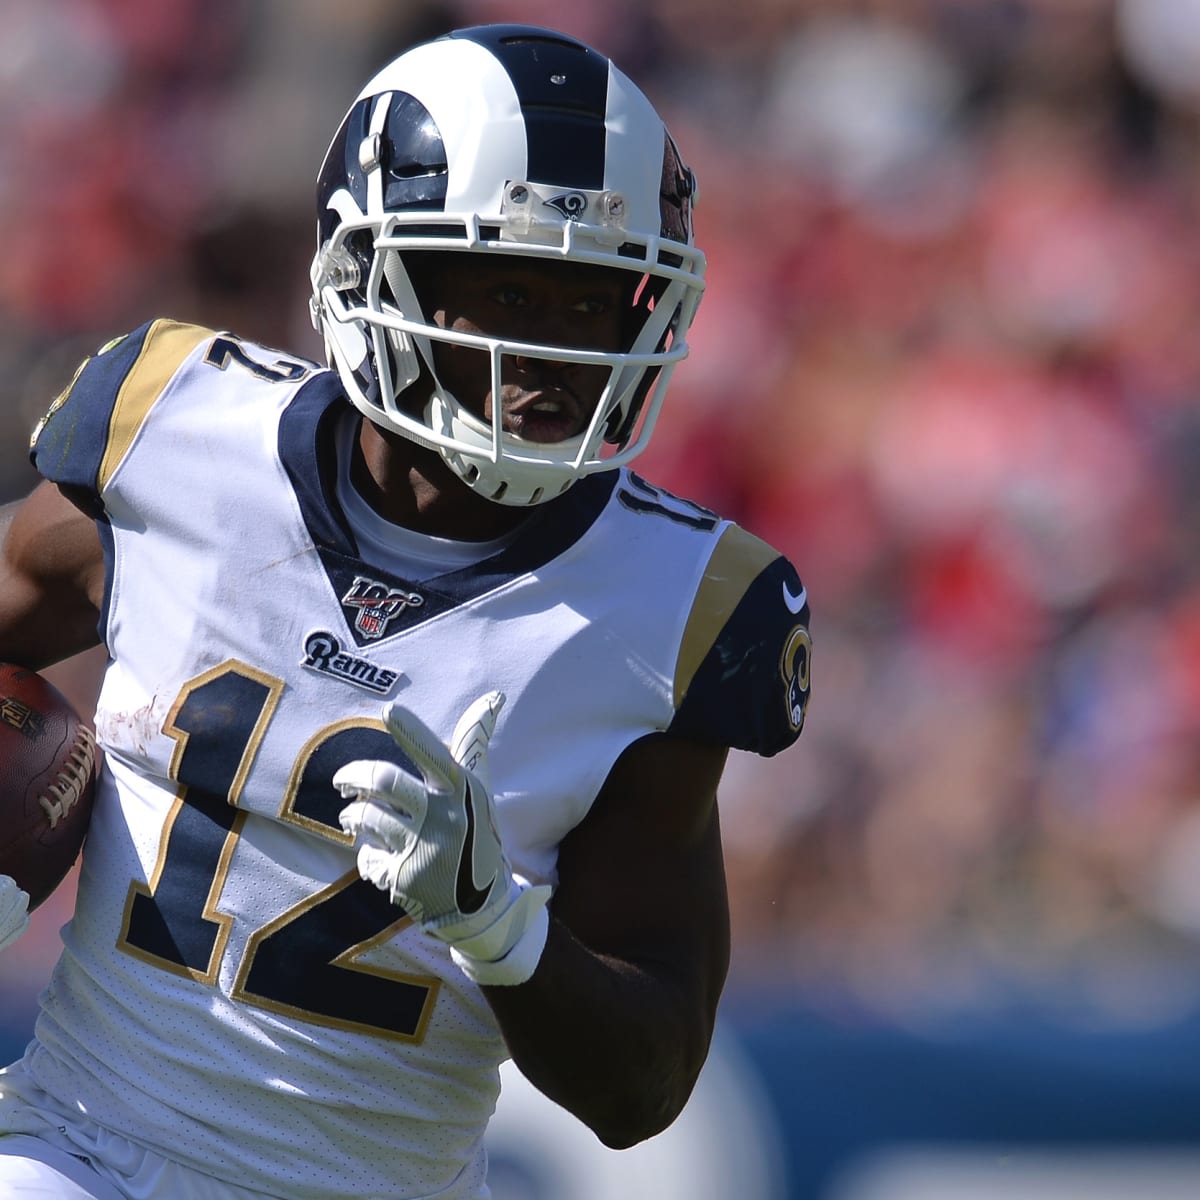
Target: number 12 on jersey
306,962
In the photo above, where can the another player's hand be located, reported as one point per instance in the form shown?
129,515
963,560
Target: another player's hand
14,911
431,843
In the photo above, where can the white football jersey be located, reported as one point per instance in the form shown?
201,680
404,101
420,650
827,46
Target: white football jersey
231,994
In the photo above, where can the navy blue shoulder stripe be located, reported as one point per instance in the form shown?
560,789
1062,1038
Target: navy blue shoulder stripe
72,439
751,690
562,86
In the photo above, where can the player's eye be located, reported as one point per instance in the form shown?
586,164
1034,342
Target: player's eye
510,296
593,306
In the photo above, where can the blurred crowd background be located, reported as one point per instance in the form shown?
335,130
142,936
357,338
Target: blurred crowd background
947,362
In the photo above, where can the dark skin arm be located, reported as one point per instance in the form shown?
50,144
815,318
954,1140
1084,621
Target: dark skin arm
616,1021
51,579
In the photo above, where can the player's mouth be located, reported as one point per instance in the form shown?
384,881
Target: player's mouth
547,414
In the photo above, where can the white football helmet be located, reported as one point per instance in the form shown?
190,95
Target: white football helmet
515,140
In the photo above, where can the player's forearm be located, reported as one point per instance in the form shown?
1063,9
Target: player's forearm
618,1045
50,556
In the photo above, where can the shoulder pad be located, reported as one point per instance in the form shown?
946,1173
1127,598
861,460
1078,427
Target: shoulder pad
742,678
93,422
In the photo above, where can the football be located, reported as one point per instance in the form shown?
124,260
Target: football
47,780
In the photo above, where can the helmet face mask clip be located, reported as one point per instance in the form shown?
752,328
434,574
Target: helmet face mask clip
448,151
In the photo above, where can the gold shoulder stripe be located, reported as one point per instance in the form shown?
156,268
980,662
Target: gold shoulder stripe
167,344
737,561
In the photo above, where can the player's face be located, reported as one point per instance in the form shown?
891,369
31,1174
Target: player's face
554,303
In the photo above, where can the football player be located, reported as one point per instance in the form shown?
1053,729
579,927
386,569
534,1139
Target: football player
417,698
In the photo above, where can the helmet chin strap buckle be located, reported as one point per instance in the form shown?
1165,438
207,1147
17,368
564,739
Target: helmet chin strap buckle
336,268
340,270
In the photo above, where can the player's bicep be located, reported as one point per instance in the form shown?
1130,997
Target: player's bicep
51,579
642,877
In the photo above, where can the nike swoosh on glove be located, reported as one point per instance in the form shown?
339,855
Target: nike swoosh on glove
14,911
430,841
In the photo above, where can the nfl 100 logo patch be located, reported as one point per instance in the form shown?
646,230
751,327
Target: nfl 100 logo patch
374,604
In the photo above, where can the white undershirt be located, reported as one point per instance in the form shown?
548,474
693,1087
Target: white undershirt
403,552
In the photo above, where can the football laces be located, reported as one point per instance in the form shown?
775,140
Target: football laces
64,792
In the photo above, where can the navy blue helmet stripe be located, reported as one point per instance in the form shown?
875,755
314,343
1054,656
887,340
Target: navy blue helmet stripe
562,86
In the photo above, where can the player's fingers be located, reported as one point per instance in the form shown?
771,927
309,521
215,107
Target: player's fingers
422,745
474,730
378,867
370,822
376,779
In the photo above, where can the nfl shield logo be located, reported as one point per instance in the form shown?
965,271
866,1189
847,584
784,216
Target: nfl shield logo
375,604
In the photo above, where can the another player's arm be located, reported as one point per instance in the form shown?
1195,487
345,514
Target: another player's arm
615,1023
51,579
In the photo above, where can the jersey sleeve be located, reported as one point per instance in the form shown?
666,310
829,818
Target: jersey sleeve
743,672
92,424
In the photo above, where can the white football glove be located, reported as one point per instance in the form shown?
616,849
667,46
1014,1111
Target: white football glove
431,843
14,911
